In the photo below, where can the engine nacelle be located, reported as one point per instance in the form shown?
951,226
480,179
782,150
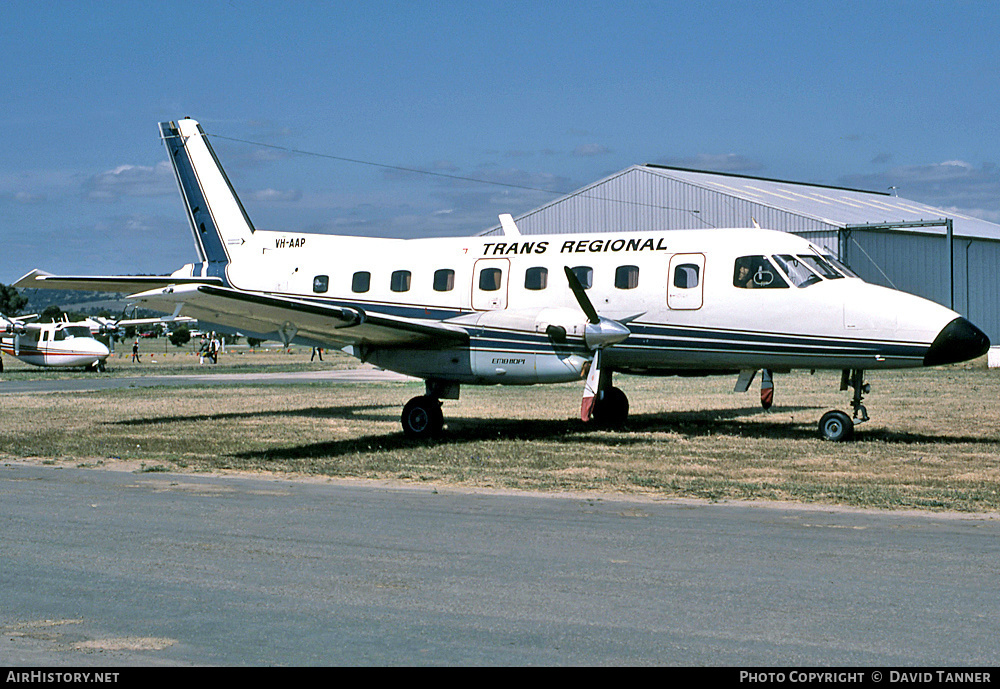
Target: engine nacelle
511,347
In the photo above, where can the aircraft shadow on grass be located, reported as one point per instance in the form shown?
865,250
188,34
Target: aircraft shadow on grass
346,412
700,423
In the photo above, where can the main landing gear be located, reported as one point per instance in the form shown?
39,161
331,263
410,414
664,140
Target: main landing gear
610,407
838,426
422,417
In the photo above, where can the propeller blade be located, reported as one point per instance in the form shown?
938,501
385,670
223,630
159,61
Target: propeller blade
766,389
581,296
591,387
17,343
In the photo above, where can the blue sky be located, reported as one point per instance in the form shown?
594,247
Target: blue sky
546,95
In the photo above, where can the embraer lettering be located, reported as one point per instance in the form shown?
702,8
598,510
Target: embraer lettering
285,243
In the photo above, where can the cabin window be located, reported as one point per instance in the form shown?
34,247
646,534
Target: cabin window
321,283
585,274
59,335
536,278
796,270
686,276
361,282
400,281
627,277
756,272
444,280
490,279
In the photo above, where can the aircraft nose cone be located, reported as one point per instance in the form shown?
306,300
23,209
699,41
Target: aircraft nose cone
958,341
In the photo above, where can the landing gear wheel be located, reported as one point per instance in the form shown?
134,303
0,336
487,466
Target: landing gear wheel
836,426
422,418
612,410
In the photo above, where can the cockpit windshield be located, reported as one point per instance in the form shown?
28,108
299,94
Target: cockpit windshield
819,265
797,270
754,272
841,266
73,331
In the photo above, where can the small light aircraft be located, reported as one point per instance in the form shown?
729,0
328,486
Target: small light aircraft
65,344
56,344
522,310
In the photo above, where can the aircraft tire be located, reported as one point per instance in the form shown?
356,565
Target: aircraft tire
612,411
836,426
422,417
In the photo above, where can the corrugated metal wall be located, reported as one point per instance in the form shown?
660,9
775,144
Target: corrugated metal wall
918,263
910,262
981,283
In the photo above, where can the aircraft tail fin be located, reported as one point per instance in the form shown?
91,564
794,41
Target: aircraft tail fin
218,220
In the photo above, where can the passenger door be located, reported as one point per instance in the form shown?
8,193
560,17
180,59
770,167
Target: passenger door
489,284
686,279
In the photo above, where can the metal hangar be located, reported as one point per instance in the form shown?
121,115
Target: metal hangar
948,257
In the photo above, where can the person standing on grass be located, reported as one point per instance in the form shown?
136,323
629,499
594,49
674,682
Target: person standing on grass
135,352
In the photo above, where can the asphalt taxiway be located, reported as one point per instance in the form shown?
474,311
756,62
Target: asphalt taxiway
112,568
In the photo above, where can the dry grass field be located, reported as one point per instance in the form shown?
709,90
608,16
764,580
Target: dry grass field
933,442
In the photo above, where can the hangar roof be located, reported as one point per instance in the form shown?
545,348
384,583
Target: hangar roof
835,207
839,206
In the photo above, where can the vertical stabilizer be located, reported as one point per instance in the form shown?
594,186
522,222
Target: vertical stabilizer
218,220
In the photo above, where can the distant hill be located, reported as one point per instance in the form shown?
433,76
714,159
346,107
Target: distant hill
76,301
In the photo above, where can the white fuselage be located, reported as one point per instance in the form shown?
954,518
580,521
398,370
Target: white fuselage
675,290
55,345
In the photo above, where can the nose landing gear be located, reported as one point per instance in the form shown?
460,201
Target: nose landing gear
838,426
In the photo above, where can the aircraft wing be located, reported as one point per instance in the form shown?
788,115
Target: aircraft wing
283,318
124,284
271,316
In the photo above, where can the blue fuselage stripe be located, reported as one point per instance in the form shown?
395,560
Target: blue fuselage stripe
657,340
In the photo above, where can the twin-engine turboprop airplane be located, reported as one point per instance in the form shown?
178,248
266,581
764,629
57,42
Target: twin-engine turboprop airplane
521,310
58,344
65,344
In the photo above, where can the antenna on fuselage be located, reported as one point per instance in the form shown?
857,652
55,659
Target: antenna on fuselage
509,228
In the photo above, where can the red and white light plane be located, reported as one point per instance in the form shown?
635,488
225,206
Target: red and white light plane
58,344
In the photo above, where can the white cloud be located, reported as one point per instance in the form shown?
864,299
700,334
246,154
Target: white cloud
724,162
27,197
276,196
591,150
953,184
132,181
